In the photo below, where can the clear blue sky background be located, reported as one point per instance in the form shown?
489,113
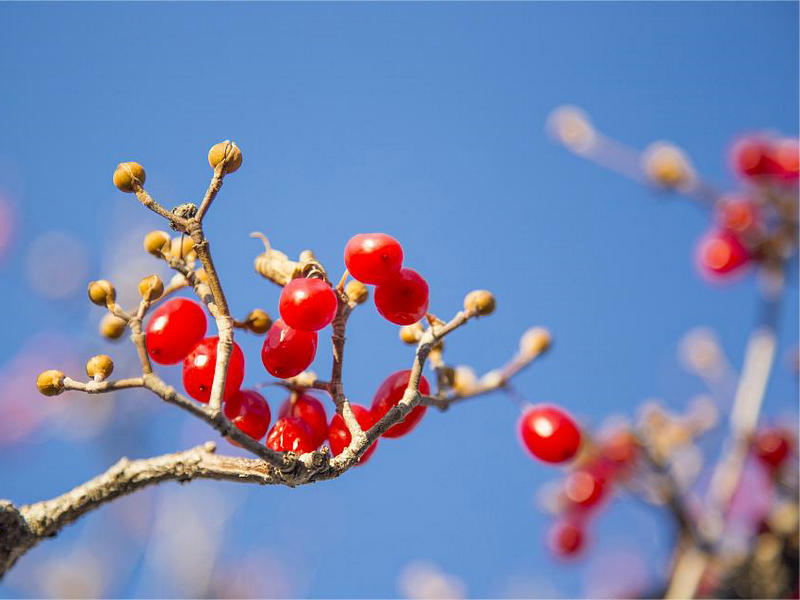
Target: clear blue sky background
425,121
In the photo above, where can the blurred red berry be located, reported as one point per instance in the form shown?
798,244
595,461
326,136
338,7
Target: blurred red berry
373,257
390,393
173,330
286,351
290,434
307,304
786,157
720,253
584,487
249,411
771,446
750,157
339,436
403,298
620,449
310,410
549,433
737,215
566,538
198,370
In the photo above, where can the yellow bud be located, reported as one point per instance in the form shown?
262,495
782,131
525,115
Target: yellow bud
356,291
157,243
667,165
225,151
411,334
464,379
479,302
258,321
201,275
50,383
99,367
492,379
151,287
535,341
183,248
112,327
101,292
128,176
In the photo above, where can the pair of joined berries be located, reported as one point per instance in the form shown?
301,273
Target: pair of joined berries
725,249
401,295
767,159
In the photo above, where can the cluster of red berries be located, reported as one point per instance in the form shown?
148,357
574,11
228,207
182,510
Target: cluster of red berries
742,221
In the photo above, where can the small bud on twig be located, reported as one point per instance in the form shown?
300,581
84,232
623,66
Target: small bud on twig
356,291
50,383
225,151
411,334
112,327
481,302
157,243
99,367
151,288
535,341
128,176
464,380
182,248
258,321
101,292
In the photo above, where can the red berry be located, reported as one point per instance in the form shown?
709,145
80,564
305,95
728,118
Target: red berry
307,304
198,370
750,157
249,411
549,433
339,436
584,488
720,253
403,298
390,393
786,156
620,449
772,446
566,538
286,351
373,257
173,330
737,215
291,435
310,410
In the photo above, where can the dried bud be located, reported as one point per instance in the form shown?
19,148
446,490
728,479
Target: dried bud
479,302
101,292
182,248
306,256
492,379
201,275
112,327
225,151
258,321
50,383
128,176
151,288
99,367
464,380
157,243
411,334
356,291
667,165
534,341
570,126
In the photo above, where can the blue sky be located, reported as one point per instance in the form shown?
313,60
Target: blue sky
425,121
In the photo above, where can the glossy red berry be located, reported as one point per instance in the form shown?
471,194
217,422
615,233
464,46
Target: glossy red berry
290,434
737,215
373,257
786,157
286,351
566,538
173,330
390,393
339,436
198,370
549,433
771,446
249,411
403,298
307,304
585,488
310,410
750,157
720,253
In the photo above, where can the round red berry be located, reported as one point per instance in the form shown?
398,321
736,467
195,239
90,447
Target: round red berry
786,156
737,215
549,433
373,257
720,253
566,538
771,446
307,304
198,370
339,436
286,351
584,488
750,157
249,411
173,330
390,393
307,408
290,434
403,298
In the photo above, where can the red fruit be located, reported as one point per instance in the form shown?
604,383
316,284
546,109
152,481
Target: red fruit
750,157
403,298
549,433
390,393
307,304
286,351
620,449
771,447
198,370
310,410
173,330
249,411
339,436
737,215
290,435
373,257
566,538
786,157
584,488
720,253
